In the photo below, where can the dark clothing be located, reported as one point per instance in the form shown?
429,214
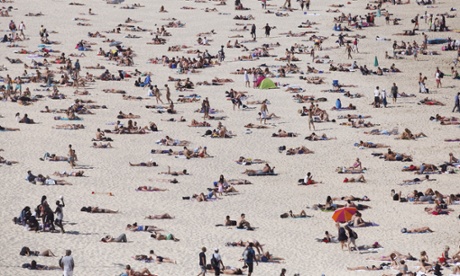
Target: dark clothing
267,30
202,259
342,234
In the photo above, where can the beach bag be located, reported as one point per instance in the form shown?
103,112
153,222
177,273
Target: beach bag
441,75
354,235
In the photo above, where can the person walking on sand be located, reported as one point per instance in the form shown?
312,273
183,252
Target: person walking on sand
67,263
457,102
250,257
342,236
157,94
202,257
216,262
348,50
168,94
60,213
253,32
310,119
221,54
355,45
352,236
394,92
22,27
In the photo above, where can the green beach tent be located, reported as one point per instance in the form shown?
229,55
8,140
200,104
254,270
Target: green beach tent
267,84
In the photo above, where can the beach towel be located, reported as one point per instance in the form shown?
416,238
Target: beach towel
66,119
369,224
261,174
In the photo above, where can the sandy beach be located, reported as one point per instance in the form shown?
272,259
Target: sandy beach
110,182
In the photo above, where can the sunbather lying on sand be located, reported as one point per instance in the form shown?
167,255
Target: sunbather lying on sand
370,145
141,228
299,150
65,174
175,173
121,238
101,145
8,129
407,135
314,137
290,214
25,251
168,237
352,179
153,257
150,189
425,229
90,209
266,170
162,216
239,182
394,131
251,125
144,164
283,133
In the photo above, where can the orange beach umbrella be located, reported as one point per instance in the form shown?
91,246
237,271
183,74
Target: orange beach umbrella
343,214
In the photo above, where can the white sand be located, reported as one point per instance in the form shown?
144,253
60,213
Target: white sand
268,197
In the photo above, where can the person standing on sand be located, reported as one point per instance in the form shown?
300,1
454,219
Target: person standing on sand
383,97
377,97
67,263
394,92
72,157
310,119
77,68
267,30
202,256
307,4
246,79
254,77
264,4
263,112
206,107
438,75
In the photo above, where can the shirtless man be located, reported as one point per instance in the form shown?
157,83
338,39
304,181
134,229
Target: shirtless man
175,173
264,112
168,94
